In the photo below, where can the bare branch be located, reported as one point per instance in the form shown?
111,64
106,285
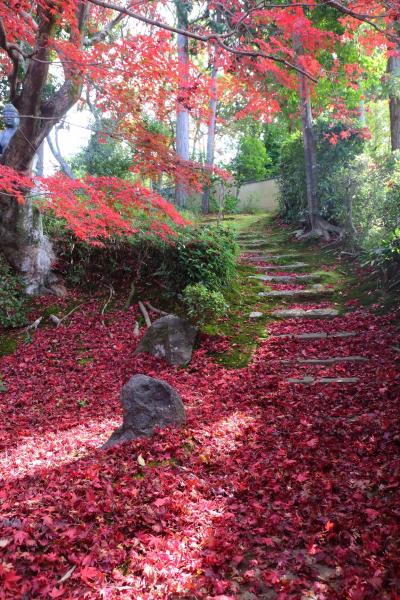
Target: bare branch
145,313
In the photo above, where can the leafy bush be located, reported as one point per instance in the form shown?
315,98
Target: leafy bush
229,203
196,255
202,304
13,301
200,255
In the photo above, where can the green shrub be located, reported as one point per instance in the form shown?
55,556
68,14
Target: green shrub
13,301
229,204
204,255
196,255
202,304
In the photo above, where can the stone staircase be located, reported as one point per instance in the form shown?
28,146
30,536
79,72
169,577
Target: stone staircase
269,253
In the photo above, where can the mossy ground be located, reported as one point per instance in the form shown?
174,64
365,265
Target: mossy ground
8,344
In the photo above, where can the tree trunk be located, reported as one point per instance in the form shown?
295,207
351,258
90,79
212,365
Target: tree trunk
21,233
310,158
56,152
212,109
24,245
393,69
39,167
319,227
182,114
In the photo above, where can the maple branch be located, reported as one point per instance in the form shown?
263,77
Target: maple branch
360,17
212,37
365,18
100,35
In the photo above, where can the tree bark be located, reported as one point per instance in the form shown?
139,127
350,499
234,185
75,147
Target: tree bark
39,167
212,109
319,227
393,69
182,113
56,152
310,157
21,233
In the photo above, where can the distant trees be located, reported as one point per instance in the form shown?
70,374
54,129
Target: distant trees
251,161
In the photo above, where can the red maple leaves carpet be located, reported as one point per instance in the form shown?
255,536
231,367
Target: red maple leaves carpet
271,490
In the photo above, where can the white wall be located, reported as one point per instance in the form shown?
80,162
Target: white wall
257,196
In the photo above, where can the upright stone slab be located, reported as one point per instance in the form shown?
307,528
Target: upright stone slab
170,338
147,403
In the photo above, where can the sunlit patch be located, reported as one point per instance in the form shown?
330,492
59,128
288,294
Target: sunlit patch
54,448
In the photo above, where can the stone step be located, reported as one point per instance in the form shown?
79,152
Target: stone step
307,313
293,266
271,257
287,278
264,247
296,293
319,335
325,361
313,380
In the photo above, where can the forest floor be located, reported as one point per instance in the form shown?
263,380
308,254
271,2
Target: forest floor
284,483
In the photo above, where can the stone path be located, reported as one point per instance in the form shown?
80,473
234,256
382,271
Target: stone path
296,315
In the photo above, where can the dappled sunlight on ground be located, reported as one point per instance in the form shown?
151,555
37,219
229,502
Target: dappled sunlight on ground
52,449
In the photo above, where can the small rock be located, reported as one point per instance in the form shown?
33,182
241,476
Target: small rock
255,315
170,338
147,403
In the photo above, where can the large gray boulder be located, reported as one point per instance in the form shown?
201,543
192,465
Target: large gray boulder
170,338
147,403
